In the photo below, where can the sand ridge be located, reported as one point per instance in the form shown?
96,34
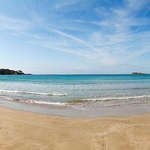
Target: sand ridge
22,130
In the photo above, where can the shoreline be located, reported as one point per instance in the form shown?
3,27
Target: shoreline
68,111
29,130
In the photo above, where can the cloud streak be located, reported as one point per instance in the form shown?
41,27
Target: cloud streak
121,35
113,34
66,35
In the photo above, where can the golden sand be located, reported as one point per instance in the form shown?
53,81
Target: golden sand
21,130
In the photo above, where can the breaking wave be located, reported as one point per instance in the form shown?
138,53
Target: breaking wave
32,101
34,93
108,99
86,103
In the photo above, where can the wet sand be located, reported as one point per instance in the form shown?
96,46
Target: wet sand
22,130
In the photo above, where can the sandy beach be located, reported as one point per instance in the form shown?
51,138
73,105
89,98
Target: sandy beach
22,130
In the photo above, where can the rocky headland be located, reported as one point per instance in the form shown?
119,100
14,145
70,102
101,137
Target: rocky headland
11,72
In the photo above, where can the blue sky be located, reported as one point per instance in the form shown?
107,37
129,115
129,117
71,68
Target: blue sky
75,36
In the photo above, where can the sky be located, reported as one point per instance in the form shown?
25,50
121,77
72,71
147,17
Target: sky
75,36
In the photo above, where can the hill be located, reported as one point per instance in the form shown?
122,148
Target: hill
11,72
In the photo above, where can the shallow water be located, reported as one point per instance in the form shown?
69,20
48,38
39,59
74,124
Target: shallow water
76,92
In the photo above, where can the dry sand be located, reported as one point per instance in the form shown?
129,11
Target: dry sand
21,130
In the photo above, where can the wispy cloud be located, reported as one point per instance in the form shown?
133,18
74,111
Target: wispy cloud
136,5
66,35
121,36
113,34
14,23
14,20
65,3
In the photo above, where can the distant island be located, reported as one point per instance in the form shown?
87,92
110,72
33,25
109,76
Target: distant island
138,73
11,72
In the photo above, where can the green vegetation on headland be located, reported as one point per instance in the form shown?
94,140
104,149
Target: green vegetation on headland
11,72
138,73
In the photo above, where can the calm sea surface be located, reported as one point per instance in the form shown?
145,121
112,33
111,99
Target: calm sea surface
77,91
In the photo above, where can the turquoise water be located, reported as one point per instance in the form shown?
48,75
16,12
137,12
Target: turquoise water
77,91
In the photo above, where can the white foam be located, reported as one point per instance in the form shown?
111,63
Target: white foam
46,94
8,91
118,98
34,93
6,98
33,101
49,103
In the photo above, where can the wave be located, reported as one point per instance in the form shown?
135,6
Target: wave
140,88
119,98
34,93
107,99
85,103
32,101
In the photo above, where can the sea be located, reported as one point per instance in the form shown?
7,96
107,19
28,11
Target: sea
77,95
